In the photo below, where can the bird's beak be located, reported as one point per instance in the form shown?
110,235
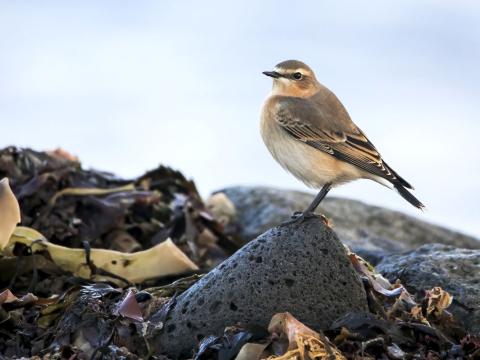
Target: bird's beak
272,74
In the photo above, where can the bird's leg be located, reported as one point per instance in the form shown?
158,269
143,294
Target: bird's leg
309,211
318,199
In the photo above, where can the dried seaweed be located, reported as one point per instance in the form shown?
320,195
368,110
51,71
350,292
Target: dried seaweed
83,226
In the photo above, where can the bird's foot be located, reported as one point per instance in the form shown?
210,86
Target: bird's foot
298,217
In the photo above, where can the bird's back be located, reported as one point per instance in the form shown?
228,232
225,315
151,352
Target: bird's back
332,110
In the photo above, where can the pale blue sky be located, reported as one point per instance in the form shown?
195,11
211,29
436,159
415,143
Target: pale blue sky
126,85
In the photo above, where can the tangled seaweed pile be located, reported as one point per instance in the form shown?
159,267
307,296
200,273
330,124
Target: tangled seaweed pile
75,279
76,208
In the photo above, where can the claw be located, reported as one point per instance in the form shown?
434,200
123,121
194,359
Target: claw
298,217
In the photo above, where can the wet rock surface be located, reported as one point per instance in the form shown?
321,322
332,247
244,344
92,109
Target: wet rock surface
370,231
455,270
299,268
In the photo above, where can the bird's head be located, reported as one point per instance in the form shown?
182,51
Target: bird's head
293,78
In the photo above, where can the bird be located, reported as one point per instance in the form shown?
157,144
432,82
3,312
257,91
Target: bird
309,133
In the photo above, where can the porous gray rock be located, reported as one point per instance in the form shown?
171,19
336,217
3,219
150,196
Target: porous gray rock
368,230
299,268
455,270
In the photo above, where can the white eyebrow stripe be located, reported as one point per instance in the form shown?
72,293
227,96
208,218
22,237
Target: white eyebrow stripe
284,72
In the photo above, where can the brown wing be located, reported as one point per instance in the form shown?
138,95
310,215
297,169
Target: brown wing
341,138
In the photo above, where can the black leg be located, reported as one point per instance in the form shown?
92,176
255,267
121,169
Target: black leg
318,199
301,216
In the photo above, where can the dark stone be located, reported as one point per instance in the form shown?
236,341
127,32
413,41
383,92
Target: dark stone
454,270
371,230
300,268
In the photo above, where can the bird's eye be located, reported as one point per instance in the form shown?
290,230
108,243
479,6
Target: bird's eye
297,76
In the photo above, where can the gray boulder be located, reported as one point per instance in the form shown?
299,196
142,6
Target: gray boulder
455,270
369,230
300,268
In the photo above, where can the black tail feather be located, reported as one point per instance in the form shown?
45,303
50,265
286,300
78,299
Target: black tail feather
401,180
408,196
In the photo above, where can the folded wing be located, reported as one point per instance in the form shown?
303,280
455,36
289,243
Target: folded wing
341,138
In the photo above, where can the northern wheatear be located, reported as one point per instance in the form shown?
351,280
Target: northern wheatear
309,132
